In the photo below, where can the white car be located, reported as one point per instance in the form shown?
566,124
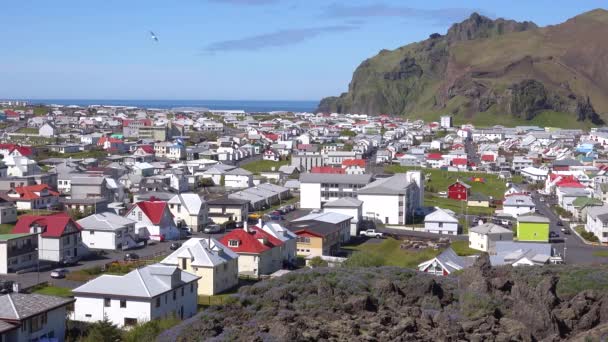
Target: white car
371,233
59,273
212,228
442,194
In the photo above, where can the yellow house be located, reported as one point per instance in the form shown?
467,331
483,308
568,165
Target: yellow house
318,240
215,264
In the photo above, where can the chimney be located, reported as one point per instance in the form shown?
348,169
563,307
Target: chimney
245,226
260,223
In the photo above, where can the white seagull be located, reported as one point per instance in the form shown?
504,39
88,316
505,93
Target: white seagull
153,36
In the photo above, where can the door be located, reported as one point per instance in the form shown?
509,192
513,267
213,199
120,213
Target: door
75,251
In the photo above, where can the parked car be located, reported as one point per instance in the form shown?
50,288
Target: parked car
371,233
238,224
553,235
442,194
175,246
59,273
70,261
560,223
274,217
254,216
566,231
131,257
212,228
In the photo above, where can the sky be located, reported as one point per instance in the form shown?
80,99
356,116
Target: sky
221,49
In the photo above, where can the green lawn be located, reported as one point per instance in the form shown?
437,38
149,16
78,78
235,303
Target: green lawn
455,206
6,228
389,253
40,212
462,248
28,130
54,291
603,254
264,166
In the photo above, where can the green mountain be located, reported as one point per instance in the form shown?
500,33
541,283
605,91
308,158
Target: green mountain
490,72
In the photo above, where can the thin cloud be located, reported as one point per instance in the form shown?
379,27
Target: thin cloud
275,39
246,2
442,15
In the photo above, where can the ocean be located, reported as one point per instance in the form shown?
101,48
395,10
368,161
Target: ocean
250,106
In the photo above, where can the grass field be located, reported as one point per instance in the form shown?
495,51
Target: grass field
54,291
390,254
462,248
455,206
6,228
28,130
259,166
603,254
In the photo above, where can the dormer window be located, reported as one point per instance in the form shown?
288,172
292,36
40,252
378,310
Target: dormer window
233,243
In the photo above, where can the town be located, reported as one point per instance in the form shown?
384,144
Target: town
129,215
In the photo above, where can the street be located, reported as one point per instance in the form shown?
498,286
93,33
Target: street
575,251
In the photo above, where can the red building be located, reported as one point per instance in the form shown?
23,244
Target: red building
459,191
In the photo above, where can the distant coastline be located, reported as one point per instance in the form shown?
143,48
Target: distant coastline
250,106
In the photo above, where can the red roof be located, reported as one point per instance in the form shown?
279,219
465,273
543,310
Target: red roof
102,140
55,224
147,149
459,161
434,156
28,192
10,112
153,209
353,162
487,157
25,151
249,242
327,169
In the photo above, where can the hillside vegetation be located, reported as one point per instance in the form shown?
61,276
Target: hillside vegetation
491,72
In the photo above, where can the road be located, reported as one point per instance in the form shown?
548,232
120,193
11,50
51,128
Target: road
576,252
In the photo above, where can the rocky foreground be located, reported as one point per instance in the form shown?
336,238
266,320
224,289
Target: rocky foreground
552,303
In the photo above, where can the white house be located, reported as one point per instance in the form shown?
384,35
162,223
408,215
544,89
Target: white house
318,188
17,252
48,130
110,231
516,205
441,221
189,210
32,317
597,222
238,178
289,239
8,212
348,206
533,174
156,217
215,264
484,237
144,294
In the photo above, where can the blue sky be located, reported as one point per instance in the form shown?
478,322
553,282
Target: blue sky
220,49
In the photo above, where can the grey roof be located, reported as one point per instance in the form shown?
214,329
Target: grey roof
518,200
478,197
348,202
451,261
225,200
105,221
600,212
145,282
192,202
489,229
239,172
533,218
511,251
391,185
18,306
330,217
278,231
440,215
87,180
4,327
334,178
202,252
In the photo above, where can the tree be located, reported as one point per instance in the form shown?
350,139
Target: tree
222,180
317,262
347,133
103,331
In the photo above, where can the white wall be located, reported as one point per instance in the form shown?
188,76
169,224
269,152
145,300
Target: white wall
310,195
446,228
99,239
381,207
478,241
517,210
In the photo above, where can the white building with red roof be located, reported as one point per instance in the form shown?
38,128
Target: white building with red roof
59,236
156,218
39,196
259,252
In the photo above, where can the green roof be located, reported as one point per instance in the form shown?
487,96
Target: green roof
4,237
586,201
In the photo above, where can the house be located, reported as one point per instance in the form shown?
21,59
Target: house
446,263
484,237
597,222
459,191
516,205
354,166
441,221
47,130
8,212
238,178
286,236
189,210
533,174
350,207
153,292
271,155
259,252
393,200
226,209
316,188
477,199
156,217
33,317
521,254
109,231
59,236
215,264
581,207
532,227
340,221
17,252
39,196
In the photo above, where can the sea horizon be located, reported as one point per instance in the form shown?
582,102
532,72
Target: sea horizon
251,106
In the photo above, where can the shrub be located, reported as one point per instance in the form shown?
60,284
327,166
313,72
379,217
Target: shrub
102,331
149,330
364,259
317,262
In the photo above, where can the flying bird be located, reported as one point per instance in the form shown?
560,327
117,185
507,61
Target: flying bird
153,36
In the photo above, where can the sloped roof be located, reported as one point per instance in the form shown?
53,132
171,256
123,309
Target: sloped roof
28,192
450,261
107,221
153,209
343,202
386,186
19,306
533,218
248,241
489,228
202,252
55,224
440,215
192,202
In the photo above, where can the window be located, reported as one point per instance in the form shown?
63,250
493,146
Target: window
182,291
303,239
139,216
184,263
130,321
123,303
87,315
233,243
157,302
107,302
174,294
92,232
191,287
